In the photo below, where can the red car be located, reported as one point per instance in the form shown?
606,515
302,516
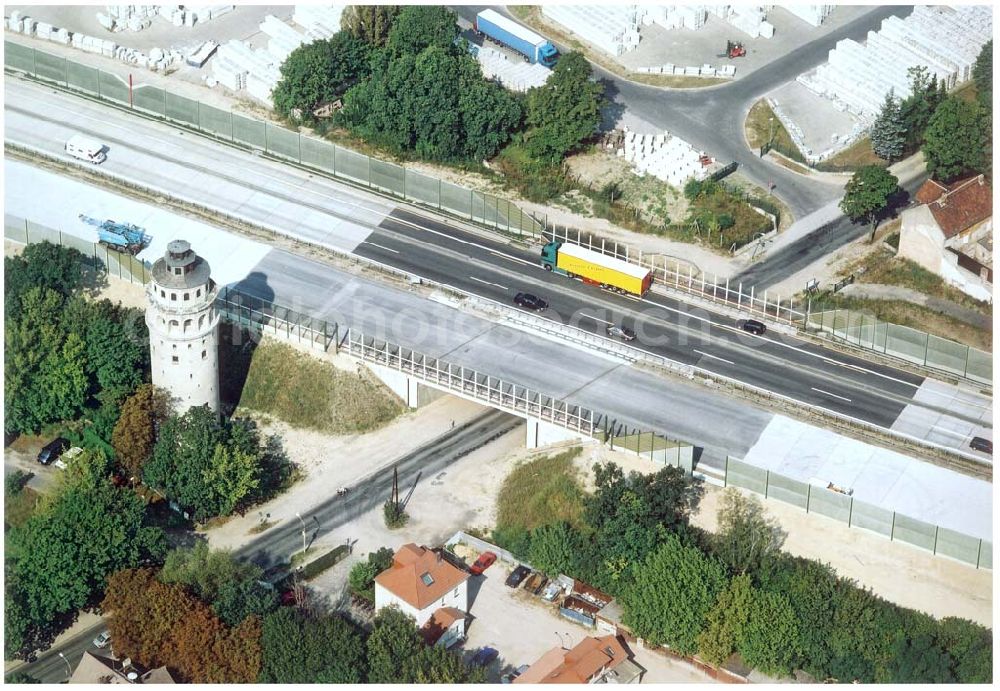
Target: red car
484,562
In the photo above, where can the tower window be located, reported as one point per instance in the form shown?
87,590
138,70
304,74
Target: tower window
163,293
175,359
187,296
198,293
204,355
173,297
178,271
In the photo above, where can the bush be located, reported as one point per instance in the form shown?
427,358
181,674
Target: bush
395,516
15,482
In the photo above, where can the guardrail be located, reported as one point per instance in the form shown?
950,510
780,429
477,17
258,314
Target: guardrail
859,514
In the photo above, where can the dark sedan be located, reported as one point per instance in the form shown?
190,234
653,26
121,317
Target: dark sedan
530,302
516,576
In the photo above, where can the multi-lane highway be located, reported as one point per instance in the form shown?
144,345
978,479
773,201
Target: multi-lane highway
346,219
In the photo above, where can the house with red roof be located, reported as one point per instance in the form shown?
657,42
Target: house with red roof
950,233
593,661
428,588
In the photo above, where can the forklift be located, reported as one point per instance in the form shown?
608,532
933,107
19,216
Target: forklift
735,50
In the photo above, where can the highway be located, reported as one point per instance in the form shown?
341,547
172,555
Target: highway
277,544
346,219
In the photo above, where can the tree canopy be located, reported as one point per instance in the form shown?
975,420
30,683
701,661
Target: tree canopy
953,141
134,434
888,133
565,111
369,23
868,194
746,536
982,75
320,72
299,649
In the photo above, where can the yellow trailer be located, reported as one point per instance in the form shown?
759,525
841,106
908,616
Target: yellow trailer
596,268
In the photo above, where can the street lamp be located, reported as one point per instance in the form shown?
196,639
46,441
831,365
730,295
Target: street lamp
69,669
303,531
770,131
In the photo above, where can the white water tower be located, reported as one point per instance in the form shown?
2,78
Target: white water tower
184,328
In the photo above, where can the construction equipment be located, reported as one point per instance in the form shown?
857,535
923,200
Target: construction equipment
735,50
122,237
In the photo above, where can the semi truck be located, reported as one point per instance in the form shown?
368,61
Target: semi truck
534,48
595,268
123,237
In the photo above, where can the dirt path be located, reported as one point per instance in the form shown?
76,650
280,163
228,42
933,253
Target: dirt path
902,574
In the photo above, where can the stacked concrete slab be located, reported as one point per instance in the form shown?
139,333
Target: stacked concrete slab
945,40
663,156
612,28
282,39
811,14
319,21
676,16
516,75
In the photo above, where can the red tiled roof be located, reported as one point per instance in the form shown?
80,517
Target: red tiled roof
958,206
405,578
440,621
576,666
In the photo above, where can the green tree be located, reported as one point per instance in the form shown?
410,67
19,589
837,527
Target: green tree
868,194
554,548
18,626
565,111
970,647
418,27
21,678
888,133
231,477
489,113
117,347
982,75
362,577
670,595
298,649
61,556
953,140
134,435
917,108
237,600
320,72
370,23
436,665
42,265
918,660
726,621
392,644
767,641
746,536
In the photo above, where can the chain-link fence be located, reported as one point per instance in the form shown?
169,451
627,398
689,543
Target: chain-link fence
919,347
858,514
98,260
338,161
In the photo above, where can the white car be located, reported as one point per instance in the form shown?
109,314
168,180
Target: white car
103,639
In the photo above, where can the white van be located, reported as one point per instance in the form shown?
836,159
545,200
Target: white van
86,149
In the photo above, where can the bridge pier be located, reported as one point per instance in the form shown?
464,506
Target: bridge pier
410,390
539,433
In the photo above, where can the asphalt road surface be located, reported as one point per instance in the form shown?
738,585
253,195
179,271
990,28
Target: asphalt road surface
344,218
417,467
52,669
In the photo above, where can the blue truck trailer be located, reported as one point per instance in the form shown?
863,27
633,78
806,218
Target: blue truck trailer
122,237
534,48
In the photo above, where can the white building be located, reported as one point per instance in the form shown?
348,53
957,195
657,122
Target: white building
421,584
951,234
184,328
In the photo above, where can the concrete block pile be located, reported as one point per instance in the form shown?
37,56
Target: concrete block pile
811,14
238,66
676,16
139,17
945,40
664,156
612,28
703,71
751,20
516,75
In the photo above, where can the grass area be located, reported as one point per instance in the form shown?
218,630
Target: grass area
20,507
531,15
762,123
882,267
916,317
542,491
853,157
306,392
786,162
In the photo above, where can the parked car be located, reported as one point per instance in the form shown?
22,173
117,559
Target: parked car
622,332
484,562
516,576
484,656
53,450
511,676
103,639
752,326
982,444
530,302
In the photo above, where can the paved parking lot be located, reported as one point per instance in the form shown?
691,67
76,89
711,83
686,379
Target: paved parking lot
523,628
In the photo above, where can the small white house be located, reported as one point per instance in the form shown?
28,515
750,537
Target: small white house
950,233
422,584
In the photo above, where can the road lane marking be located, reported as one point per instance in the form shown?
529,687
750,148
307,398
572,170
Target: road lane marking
513,259
596,319
381,247
829,394
961,435
714,357
479,280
